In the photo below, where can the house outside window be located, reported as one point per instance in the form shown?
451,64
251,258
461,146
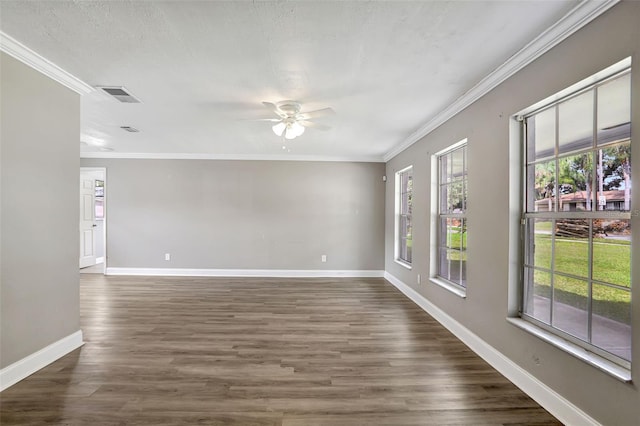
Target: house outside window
576,222
404,193
449,248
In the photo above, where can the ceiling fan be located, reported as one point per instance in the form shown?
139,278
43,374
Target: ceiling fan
292,122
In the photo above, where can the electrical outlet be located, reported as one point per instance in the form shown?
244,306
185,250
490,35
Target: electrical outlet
324,257
419,280
167,256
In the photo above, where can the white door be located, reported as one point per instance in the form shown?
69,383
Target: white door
87,220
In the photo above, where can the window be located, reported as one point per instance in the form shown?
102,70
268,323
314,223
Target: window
449,250
404,190
99,205
576,221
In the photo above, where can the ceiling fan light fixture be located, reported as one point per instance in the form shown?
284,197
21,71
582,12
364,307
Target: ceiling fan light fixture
279,128
291,123
294,130
289,134
297,128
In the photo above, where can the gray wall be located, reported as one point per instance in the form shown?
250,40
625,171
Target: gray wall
40,207
608,39
244,214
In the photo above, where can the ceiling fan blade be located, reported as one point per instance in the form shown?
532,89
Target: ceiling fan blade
270,105
317,113
313,125
274,120
273,107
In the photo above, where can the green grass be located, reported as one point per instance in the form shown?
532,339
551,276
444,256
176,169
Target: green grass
611,258
611,264
543,226
457,240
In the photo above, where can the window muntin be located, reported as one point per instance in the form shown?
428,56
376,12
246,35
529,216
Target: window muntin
404,230
451,264
577,256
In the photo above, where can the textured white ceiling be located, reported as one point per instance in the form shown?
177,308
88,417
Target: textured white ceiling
202,69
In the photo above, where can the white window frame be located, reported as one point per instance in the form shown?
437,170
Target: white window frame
436,215
613,365
399,240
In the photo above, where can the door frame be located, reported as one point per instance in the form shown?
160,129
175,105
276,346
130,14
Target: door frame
106,216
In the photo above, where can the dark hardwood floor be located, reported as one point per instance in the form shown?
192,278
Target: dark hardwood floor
264,352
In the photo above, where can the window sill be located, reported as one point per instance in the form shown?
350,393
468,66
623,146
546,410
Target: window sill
458,291
598,362
403,263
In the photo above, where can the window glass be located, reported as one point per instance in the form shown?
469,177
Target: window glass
577,236
614,110
541,186
614,177
404,231
537,295
575,123
541,130
452,224
575,181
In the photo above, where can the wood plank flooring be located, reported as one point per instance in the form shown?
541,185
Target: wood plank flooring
263,352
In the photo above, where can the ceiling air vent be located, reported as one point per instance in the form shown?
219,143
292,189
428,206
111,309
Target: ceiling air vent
120,93
129,129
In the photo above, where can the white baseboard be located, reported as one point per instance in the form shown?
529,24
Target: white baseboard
12,374
553,402
264,273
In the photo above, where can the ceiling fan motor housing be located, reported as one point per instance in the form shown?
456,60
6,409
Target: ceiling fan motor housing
289,108
292,122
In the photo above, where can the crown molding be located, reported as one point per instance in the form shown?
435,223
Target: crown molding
239,157
13,47
578,17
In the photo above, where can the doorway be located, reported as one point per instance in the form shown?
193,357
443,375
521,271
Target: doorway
92,226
